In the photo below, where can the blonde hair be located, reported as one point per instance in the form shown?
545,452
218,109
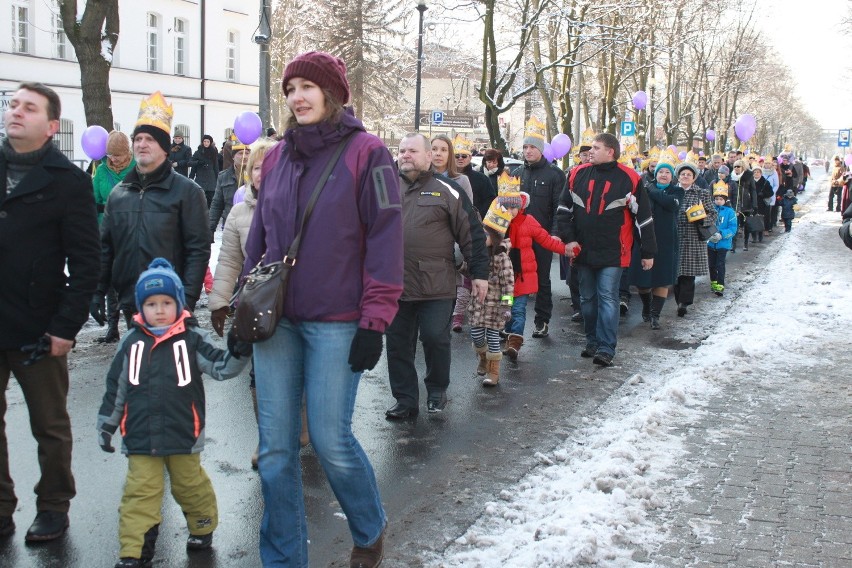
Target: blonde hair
257,152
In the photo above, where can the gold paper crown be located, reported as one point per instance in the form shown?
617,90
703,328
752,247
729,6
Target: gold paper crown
654,153
720,188
668,157
632,150
623,158
587,137
696,212
535,129
691,157
497,217
462,145
154,111
787,148
509,190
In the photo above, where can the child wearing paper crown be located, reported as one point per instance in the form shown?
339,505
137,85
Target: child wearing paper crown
488,318
523,231
156,396
720,243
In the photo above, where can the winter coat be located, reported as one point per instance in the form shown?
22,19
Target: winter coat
205,169
182,154
726,224
232,254
495,175
104,181
168,218
693,249
665,207
544,182
788,178
483,192
354,232
764,192
710,176
496,309
837,177
746,194
154,389
436,215
772,177
787,211
594,210
523,231
46,221
223,199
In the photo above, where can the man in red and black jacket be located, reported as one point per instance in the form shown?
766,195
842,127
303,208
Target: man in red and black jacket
596,215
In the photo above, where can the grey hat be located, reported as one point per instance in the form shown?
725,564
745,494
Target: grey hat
687,166
534,141
723,169
789,193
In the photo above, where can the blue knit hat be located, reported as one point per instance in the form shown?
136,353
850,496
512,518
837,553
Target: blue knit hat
662,165
160,278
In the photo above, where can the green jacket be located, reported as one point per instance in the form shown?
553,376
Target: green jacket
104,180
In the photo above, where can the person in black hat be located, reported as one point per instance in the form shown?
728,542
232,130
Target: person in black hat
180,155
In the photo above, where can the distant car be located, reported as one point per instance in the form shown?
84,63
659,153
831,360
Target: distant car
817,162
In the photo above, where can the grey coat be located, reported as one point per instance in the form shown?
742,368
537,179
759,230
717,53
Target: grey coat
693,250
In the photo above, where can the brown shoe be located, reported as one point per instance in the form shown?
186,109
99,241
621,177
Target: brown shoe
482,367
370,557
493,370
513,346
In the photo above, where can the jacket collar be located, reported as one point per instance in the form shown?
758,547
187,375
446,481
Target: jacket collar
39,176
177,328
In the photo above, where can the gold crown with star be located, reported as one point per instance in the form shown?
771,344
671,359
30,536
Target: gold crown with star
535,129
462,145
154,111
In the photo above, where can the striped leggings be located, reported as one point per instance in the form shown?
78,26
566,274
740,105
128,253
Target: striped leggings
481,335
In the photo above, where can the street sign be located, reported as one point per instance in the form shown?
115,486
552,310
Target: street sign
628,128
5,99
843,138
450,121
437,117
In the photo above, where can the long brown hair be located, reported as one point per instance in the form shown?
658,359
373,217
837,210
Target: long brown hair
452,170
333,107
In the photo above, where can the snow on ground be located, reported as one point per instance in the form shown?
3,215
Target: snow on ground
587,501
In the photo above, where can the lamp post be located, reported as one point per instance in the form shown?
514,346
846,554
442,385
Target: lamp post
421,7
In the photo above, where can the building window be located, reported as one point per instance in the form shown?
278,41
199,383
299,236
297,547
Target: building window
60,40
182,130
180,46
153,42
231,56
20,27
64,139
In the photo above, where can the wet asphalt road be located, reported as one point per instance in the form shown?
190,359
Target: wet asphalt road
435,472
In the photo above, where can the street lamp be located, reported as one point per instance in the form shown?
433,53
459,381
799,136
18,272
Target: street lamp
421,7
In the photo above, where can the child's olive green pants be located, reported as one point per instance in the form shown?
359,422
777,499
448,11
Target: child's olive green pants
143,498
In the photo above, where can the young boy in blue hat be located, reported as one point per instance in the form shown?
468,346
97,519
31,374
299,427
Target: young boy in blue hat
156,396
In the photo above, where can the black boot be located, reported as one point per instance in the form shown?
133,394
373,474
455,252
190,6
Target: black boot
657,303
112,334
149,546
646,305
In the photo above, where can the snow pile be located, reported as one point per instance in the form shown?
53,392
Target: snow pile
588,501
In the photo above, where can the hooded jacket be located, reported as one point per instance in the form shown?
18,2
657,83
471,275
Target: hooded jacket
232,254
726,224
524,230
349,265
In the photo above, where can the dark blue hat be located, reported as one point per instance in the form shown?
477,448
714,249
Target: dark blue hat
160,278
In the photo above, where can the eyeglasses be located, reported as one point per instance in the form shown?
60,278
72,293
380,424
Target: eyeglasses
460,156
740,167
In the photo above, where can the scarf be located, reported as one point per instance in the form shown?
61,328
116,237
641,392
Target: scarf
735,176
118,163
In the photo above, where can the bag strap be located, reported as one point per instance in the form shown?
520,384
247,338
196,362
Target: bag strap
294,246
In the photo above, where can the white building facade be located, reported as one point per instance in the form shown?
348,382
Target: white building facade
199,53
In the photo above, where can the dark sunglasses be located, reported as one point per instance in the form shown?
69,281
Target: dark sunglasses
460,156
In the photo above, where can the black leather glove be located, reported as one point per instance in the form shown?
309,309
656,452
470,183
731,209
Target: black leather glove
365,350
97,308
36,351
217,319
237,348
105,441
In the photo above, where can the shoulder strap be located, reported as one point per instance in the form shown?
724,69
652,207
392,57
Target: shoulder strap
294,247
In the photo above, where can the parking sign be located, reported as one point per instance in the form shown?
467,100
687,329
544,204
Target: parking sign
437,116
628,128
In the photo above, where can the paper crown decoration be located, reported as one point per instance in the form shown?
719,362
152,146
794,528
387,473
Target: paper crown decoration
237,146
632,150
509,190
535,128
696,212
668,157
154,111
497,217
787,148
462,145
654,153
587,137
691,157
623,158
720,188
753,157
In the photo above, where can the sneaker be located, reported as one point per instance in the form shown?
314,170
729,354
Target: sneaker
541,329
623,306
199,541
436,403
714,286
577,317
48,525
719,290
7,525
589,351
603,359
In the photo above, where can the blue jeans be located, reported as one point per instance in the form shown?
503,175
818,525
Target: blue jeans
310,357
599,304
519,315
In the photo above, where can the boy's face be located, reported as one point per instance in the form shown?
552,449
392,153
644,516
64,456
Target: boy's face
720,200
513,211
159,310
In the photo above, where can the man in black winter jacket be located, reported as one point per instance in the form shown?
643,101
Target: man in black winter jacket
47,222
180,155
154,212
543,181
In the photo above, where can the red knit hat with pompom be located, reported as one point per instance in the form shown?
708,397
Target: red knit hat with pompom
324,69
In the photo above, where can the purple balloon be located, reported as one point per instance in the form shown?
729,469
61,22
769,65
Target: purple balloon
682,154
700,153
561,145
711,135
248,127
548,152
94,142
745,127
640,100
672,147
848,160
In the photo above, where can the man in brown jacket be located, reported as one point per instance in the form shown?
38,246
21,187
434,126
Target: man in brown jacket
436,215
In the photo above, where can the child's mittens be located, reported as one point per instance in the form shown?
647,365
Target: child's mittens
630,202
716,238
105,441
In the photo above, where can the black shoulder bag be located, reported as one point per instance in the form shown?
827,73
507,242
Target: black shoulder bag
260,298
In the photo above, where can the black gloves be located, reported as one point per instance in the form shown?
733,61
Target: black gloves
365,350
97,308
36,351
217,320
105,441
238,348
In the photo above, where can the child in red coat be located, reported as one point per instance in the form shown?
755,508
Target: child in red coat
523,231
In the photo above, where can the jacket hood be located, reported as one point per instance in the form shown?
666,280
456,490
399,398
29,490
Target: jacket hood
305,141
249,198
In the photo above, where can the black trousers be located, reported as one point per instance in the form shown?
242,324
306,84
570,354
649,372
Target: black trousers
544,297
716,262
684,290
832,192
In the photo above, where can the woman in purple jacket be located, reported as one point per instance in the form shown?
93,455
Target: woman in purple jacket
342,294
